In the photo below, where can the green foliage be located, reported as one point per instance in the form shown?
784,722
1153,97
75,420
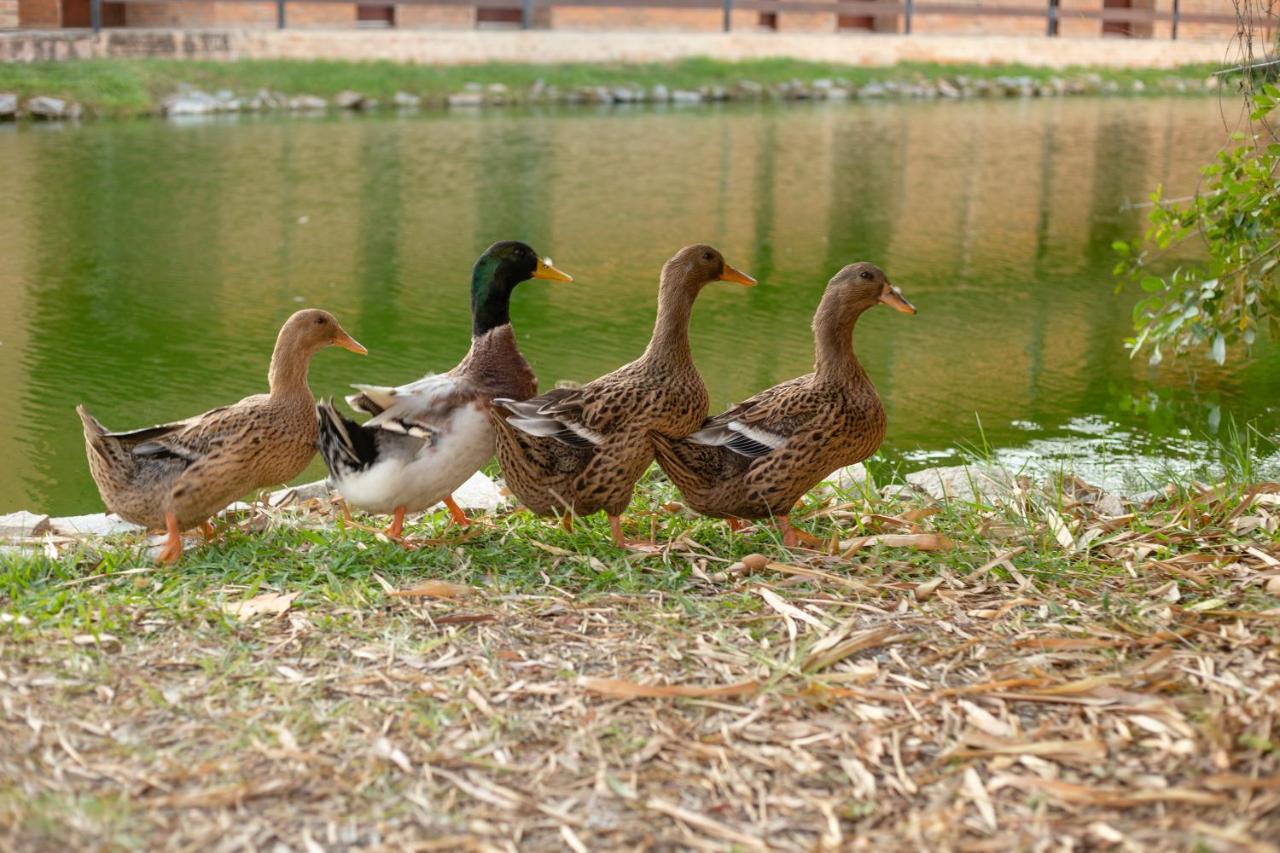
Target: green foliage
1227,297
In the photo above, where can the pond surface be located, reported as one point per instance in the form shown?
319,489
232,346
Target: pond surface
147,265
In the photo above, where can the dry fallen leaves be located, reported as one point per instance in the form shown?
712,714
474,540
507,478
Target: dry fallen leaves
266,604
434,589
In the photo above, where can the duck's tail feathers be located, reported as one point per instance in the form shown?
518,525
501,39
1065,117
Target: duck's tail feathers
94,432
346,446
372,399
692,467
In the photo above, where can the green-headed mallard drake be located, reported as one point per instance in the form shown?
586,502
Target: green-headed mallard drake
760,457
580,450
175,476
426,438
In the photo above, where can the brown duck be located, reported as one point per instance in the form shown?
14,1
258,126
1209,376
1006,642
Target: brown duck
760,457
177,475
580,450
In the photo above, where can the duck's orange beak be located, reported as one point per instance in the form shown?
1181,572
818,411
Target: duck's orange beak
342,339
546,271
893,297
737,277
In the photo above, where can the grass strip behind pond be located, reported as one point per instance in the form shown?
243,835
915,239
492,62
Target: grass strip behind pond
122,87
1043,675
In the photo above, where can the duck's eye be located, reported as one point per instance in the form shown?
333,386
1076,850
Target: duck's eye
866,275
319,321
706,256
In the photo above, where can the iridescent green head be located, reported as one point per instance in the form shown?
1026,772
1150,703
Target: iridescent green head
497,272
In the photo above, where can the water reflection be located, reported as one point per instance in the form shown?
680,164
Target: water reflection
149,265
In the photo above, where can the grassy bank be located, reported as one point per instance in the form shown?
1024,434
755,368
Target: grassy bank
999,672
131,87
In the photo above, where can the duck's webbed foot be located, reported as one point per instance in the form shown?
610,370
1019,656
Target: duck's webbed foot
794,536
615,528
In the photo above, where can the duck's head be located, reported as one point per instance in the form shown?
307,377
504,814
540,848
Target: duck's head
311,330
696,266
496,273
860,286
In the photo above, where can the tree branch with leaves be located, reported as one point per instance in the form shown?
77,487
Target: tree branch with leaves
1235,216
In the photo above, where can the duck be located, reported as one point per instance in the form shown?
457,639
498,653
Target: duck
756,460
426,438
576,451
175,476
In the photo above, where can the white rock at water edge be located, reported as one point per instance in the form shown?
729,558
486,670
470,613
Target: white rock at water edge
466,99
307,102
964,482
46,107
8,106
852,478
21,524
94,524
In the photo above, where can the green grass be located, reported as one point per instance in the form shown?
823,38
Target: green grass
131,87
135,712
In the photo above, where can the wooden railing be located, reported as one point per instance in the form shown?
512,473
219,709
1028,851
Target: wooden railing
907,10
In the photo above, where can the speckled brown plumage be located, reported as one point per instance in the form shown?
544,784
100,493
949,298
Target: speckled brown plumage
190,469
582,450
760,457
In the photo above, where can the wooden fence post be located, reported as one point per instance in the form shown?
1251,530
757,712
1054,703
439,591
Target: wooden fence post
280,14
728,15
908,10
526,14
1177,13
95,15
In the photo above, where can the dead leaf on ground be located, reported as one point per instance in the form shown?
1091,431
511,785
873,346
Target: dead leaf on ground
919,541
268,603
620,689
434,589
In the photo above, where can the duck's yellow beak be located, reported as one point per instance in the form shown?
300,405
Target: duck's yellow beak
737,277
550,273
893,297
342,339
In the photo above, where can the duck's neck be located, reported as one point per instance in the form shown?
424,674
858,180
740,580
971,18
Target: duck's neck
490,300
495,363
833,344
670,340
287,376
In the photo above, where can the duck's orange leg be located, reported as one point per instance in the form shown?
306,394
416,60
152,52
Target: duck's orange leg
172,551
793,536
566,521
459,517
615,527
395,530
346,511
206,528
735,524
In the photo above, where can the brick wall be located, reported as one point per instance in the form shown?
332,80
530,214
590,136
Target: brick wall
418,16
39,13
302,15
581,18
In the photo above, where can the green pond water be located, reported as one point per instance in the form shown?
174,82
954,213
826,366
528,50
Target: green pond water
145,267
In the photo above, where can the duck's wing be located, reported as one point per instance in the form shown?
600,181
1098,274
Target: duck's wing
578,417
762,424
418,409
192,439
566,414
